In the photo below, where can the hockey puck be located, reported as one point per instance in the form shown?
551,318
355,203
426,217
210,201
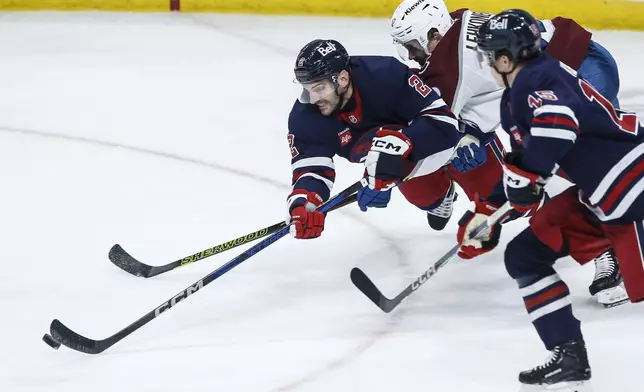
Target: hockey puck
51,342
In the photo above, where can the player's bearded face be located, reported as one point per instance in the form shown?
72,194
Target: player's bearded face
419,49
323,94
412,50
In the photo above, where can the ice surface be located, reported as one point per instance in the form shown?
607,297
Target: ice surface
166,134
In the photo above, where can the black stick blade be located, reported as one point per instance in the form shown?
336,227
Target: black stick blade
364,284
120,258
75,341
51,342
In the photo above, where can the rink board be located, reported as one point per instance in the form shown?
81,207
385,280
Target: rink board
599,14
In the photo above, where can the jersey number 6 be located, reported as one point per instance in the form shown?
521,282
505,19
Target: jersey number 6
416,82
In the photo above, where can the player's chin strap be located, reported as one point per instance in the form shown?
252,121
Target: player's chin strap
504,75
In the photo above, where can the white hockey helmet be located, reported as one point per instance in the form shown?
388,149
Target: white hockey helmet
411,22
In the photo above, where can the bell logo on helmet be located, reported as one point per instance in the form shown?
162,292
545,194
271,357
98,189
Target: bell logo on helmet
301,61
330,47
496,24
413,6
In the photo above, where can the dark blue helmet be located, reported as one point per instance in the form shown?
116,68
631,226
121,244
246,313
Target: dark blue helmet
512,33
320,59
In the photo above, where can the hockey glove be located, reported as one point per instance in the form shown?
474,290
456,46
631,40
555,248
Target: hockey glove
307,221
469,154
369,198
524,190
385,162
472,219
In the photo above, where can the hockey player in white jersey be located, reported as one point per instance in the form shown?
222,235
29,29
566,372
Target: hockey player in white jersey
443,44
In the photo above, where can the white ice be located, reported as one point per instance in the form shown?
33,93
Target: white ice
166,134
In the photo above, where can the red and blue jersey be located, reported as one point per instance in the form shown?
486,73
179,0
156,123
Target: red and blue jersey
385,92
562,123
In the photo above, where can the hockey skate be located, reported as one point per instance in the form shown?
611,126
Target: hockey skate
439,216
567,367
607,286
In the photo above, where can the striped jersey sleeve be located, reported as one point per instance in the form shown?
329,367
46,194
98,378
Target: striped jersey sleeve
314,174
554,129
312,148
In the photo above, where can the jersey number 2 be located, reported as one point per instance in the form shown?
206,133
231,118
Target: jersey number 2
416,82
291,144
627,122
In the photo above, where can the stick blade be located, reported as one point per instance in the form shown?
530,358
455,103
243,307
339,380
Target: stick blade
364,284
71,339
120,258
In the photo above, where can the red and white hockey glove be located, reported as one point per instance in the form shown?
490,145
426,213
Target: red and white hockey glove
472,219
385,162
307,221
524,190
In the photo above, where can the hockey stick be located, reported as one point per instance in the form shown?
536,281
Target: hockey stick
120,258
73,340
368,288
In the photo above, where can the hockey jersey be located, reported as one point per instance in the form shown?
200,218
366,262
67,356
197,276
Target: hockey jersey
561,122
385,92
467,84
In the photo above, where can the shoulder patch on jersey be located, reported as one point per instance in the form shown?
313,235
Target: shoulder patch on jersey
548,95
291,144
535,100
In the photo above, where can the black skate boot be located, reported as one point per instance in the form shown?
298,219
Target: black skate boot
567,363
439,216
607,284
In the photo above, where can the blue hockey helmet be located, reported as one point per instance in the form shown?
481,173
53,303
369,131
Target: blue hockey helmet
512,33
320,59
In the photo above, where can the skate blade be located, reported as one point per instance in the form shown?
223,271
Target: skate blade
612,297
568,386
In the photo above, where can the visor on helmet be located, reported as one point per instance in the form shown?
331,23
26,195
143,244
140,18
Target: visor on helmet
321,89
411,50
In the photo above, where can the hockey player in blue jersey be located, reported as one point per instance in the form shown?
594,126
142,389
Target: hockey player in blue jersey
367,109
560,123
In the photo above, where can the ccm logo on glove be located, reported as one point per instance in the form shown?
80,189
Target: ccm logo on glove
391,144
